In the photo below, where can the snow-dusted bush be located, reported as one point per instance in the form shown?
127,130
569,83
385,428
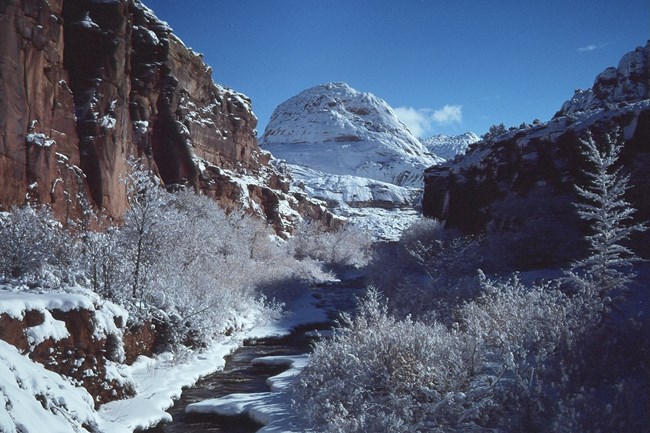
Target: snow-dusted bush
605,382
34,246
346,246
104,263
180,258
525,323
381,374
429,272
526,330
497,367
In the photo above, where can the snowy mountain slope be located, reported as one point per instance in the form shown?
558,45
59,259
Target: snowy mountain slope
448,146
359,192
335,129
381,208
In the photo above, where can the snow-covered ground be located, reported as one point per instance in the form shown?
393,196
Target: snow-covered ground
34,397
160,380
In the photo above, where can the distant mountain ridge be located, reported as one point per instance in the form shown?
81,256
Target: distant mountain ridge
448,146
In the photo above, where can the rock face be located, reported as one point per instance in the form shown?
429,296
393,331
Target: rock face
39,155
519,185
86,84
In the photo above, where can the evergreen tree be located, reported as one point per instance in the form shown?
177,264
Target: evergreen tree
608,267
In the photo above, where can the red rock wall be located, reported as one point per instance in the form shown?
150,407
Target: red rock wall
104,81
35,99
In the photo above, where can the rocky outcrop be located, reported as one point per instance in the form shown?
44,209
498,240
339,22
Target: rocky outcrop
448,146
86,84
71,336
520,184
627,83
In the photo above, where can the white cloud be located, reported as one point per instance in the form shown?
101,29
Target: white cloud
420,121
591,47
448,114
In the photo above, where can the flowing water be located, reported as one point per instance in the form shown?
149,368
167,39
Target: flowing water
240,376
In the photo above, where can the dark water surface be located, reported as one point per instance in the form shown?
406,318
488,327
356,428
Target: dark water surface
240,376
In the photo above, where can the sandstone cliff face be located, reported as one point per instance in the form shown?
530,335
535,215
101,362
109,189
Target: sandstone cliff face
38,135
84,85
520,184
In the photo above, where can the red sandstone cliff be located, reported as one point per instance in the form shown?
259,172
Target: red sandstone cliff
86,84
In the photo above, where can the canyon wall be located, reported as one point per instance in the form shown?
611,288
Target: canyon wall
520,184
85,85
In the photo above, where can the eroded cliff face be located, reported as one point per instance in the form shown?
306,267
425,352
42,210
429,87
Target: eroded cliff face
520,184
86,84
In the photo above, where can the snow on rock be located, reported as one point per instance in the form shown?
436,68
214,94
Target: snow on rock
34,397
335,129
16,303
50,328
448,146
339,190
349,150
39,139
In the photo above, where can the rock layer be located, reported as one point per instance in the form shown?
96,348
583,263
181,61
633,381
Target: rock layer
84,85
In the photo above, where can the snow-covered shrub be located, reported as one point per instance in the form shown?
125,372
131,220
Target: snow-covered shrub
429,272
522,328
144,225
34,247
526,323
605,382
103,261
344,246
381,374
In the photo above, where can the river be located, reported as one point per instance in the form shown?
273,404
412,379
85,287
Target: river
241,376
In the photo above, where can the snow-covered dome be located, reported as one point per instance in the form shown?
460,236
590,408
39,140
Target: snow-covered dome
337,129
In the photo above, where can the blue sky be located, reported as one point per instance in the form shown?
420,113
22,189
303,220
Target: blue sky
446,66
